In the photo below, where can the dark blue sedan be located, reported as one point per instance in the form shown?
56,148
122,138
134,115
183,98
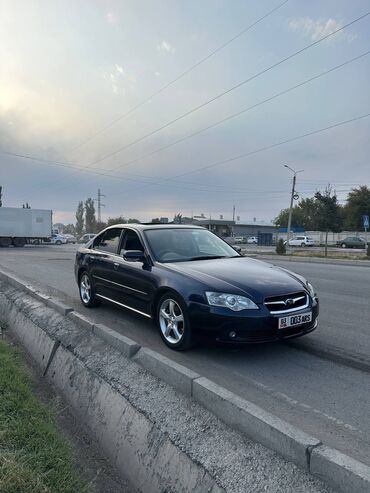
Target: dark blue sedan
189,281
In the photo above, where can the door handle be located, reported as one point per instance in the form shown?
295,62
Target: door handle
116,265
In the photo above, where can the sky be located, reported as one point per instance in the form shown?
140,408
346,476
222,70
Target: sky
91,89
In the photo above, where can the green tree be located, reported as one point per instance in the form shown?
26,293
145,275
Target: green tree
329,217
121,220
308,213
282,219
358,204
69,229
90,219
80,219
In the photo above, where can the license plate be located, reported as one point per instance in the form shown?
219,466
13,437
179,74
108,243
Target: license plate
293,320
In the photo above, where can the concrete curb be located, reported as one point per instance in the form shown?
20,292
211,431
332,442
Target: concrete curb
337,469
123,344
311,260
340,471
257,424
178,376
81,320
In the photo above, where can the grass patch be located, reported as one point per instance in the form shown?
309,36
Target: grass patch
34,455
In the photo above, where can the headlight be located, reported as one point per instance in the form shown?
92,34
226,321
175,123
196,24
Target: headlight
311,289
232,301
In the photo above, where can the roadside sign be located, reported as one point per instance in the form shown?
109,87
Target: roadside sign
365,221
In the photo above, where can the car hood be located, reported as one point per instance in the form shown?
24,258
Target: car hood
243,275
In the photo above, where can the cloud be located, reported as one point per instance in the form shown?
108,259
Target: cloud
119,69
316,29
157,74
166,47
111,18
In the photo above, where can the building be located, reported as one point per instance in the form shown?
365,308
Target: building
221,227
254,228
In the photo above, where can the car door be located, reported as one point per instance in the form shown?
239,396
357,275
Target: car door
137,285
102,256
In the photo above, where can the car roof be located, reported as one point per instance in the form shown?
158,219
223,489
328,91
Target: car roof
143,227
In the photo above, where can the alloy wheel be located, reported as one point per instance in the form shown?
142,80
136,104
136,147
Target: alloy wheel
171,321
85,288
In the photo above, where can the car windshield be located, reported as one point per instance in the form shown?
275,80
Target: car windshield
181,245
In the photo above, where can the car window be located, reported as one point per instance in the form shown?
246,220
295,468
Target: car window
131,241
179,245
108,241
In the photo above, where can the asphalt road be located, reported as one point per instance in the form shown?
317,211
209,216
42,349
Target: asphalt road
328,399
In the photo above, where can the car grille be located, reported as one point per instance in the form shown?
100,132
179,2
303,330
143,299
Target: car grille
287,303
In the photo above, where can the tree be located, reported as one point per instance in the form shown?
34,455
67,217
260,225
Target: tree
121,220
308,212
90,219
177,219
282,219
80,219
358,204
69,229
1,196
329,217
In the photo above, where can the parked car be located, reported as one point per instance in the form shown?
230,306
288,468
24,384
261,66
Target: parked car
252,239
352,242
189,281
58,239
86,238
70,238
302,241
239,239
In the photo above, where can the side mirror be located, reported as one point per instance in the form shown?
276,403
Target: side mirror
133,255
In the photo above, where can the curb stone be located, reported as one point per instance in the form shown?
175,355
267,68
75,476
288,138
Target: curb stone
256,423
347,475
176,375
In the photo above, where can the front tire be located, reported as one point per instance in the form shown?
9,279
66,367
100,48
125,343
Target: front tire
343,245
173,322
87,291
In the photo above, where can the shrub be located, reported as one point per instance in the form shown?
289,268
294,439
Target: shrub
280,247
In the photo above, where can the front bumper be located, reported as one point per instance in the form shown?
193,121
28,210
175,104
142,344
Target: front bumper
253,326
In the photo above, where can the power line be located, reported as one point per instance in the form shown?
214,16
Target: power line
220,95
180,76
218,163
262,149
74,165
239,113
198,132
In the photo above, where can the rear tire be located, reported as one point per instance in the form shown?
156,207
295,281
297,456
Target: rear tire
19,242
87,291
303,244
173,322
58,242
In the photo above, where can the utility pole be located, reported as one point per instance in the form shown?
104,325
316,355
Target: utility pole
234,212
100,205
292,197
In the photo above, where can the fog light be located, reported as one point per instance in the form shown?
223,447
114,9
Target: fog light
232,334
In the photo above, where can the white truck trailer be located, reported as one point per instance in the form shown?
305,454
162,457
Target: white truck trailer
21,226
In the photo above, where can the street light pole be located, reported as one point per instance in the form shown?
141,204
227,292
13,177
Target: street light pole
291,200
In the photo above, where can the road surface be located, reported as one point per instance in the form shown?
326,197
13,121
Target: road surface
326,398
